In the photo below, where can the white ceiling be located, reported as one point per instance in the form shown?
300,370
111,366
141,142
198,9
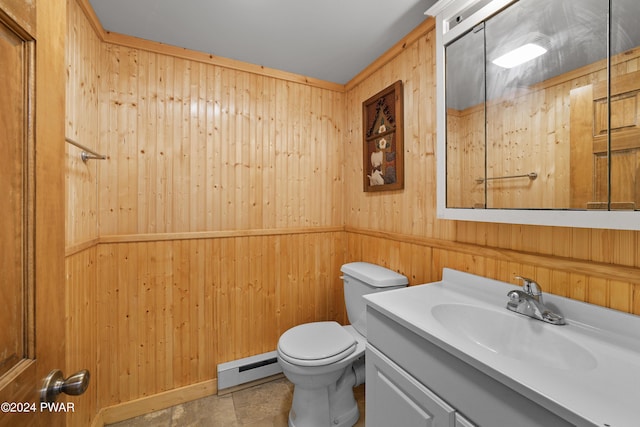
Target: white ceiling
332,40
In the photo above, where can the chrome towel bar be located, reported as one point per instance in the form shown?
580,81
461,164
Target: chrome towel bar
87,153
531,176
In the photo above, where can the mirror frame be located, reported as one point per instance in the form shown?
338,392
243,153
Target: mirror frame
445,11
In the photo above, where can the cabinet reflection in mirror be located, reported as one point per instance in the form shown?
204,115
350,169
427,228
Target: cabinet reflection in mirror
533,120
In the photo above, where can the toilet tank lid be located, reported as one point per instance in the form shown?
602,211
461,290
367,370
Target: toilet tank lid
374,275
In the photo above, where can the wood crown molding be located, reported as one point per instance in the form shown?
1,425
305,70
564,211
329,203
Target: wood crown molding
421,30
192,55
137,43
91,16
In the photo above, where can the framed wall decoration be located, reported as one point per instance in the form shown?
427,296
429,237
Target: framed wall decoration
383,163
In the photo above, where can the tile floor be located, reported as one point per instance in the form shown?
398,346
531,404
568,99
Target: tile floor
265,405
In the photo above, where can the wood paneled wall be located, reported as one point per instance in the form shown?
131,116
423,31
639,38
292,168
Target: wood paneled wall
465,157
532,131
174,309
82,331
83,60
574,262
195,147
219,215
412,210
83,56
422,260
147,317
214,225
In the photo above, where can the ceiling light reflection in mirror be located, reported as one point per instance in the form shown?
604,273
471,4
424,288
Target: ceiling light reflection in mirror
520,55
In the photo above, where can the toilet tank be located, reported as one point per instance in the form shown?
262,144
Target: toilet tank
361,278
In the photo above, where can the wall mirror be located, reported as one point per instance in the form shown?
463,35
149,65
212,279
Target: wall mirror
539,111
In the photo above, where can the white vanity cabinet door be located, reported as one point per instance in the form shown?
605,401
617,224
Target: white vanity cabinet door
394,398
462,421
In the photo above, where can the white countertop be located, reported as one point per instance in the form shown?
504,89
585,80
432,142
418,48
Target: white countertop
603,391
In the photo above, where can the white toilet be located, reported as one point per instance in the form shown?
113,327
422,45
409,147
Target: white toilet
324,360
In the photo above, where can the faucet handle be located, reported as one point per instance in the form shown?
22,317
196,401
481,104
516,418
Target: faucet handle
530,286
515,297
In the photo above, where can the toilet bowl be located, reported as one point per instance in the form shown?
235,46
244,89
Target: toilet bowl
325,360
323,378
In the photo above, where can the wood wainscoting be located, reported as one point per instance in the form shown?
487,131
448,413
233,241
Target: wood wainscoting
422,260
82,329
152,315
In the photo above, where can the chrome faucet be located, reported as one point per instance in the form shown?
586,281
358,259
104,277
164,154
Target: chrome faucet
528,302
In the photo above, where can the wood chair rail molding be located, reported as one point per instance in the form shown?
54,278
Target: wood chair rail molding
569,265
157,237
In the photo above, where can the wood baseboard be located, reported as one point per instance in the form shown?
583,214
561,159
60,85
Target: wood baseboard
145,405
98,421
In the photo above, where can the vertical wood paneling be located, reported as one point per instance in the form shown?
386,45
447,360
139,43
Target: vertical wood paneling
423,264
83,62
81,126
81,327
193,147
175,309
199,147
196,147
412,212
538,130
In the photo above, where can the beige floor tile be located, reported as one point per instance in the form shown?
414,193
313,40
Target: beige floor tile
266,405
160,418
211,411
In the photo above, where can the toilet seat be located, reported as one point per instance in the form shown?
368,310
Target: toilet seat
316,344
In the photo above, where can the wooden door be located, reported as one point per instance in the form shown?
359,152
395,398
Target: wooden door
591,179
32,210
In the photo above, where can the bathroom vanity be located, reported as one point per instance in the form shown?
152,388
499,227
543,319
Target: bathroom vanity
450,354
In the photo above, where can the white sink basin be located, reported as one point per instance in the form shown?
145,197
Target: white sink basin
587,370
512,335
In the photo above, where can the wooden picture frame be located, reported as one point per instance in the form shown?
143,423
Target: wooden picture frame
383,143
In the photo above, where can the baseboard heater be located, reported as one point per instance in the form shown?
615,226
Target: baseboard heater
249,369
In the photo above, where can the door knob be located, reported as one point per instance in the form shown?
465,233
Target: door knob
54,384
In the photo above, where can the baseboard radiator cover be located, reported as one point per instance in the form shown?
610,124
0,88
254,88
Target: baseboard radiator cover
248,369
